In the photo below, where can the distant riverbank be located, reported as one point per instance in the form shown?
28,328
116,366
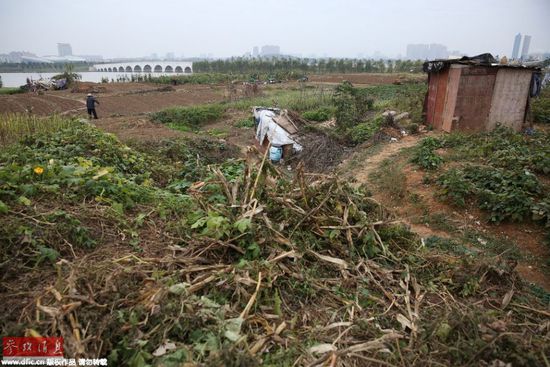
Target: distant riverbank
18,79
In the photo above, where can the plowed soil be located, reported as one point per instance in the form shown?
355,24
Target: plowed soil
122,99
45,104
374,79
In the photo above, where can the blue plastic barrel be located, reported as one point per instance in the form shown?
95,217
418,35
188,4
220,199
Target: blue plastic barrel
275,154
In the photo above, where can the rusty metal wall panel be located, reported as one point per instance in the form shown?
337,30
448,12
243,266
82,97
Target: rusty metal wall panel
450,100
473,103
440,98
509,98
437,90
432,95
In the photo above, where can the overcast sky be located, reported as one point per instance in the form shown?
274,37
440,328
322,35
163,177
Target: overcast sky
116,28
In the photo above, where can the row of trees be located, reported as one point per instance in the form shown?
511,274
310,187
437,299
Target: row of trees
306,66
41,67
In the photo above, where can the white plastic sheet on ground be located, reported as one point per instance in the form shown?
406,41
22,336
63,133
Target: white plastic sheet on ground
275,133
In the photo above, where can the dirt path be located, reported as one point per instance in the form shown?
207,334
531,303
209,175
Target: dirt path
528,237
372,162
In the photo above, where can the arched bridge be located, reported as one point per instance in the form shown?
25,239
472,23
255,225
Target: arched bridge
180,67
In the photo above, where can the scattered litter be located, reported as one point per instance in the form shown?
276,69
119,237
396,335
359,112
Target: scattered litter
43,84
291,143
401,116
275,128
164,348
322,349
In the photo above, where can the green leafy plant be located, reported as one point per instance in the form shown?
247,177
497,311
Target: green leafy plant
189,116
506,195
541,211
425,156
540,106
245,123
351,104
454,187
320,114
213,225
365,130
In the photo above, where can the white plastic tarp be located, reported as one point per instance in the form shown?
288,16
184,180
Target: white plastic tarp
275,133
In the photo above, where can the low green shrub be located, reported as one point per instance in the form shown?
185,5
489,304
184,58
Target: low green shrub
320,114
193,116
541,211
351,104
540,107
503,148
365,130
505,194
425,156
245,123
10,91
455,188
200,78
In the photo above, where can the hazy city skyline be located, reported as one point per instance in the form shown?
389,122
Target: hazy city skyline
347,28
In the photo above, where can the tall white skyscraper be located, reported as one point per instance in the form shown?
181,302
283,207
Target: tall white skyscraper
517,42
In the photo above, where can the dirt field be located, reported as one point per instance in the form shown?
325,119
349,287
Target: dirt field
45,104
126,99
374,79
118,99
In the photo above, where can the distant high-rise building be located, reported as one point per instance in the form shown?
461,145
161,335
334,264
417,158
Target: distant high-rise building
416,52
517,42
64,49
425,51
525,48
255,51
437,51
169,56
271,50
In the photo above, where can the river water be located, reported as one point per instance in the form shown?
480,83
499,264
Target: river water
18,79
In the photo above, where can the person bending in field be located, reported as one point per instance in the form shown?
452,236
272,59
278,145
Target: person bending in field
90,104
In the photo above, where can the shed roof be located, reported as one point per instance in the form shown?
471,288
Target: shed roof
486,60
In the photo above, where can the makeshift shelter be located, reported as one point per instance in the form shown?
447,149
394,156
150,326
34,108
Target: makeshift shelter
275,126
477,94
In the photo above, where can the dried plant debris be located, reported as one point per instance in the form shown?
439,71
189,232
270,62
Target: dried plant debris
246,267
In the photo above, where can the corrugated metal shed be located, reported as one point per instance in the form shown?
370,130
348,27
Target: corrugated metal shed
476,94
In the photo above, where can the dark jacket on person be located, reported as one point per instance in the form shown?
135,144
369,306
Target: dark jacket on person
91,101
